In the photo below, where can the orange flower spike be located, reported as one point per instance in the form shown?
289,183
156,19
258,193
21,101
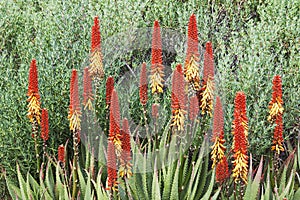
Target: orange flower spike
222,171
240,106
143,85
276,104
178,99
45,125
207,90
109,89
114,123
192,40
240,141
95,35
277,144
34,106
61,154
157,73
74,109
156,50
208,68
194,108
96,58
87,90
218,148
125,167
112,182
191,66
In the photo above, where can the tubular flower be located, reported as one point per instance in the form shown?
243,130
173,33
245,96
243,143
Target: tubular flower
143,85
277,144
34,106
218,148
207,90
74,108
222,172
96,58
61,154
240,107
240,142
178,99
194,108
44,125
157,73
114,123
191,66
112,182
87,90
276,104
109,89
125,167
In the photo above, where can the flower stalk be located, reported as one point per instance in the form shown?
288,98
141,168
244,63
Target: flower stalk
34,107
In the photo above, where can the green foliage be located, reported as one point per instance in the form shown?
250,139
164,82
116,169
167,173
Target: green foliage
252,40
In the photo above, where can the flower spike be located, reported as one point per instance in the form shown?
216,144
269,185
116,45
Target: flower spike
191,66
87,90
125,167
143,85
44,125
157,73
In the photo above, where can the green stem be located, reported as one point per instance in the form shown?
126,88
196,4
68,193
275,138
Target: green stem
75,164
35,135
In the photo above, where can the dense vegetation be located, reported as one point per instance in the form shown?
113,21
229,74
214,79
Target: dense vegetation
252,40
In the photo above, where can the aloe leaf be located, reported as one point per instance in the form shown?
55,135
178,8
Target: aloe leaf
88,190
22,184
216,195
297,194
49,180
13,190
155,186
174,192
210,187
288,188
252,188
81,182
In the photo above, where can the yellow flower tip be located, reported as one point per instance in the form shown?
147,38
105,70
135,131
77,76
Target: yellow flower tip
191,72
75,121
156,80
125,170
240,170
96,65
178,119
34,108
88,105
206,95
218,151
276,109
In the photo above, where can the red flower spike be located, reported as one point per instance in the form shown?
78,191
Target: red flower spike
111,167
194,108
218,122
208,68
192,40
44,125
178,96
143,85
277,87
33,80
74,93
156,45
109,89
61,154
222,172
276,104
277,144
240,142
114,123
126,147
87,86
95,36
